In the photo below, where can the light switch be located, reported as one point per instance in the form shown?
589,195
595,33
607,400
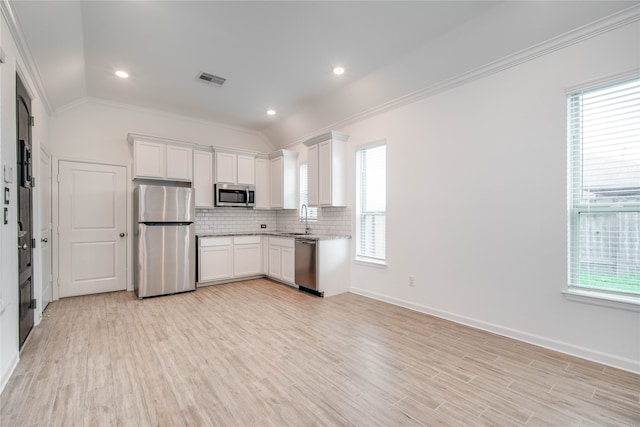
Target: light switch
8,173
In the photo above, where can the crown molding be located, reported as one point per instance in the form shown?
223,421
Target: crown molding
24,52
325,136
577,35
629,75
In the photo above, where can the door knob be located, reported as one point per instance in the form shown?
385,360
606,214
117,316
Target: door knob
25,247
121,234
44,240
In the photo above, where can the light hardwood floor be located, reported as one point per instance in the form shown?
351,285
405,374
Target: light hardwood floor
261,353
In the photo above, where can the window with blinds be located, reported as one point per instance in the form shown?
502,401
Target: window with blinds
371,202
304,194
604,188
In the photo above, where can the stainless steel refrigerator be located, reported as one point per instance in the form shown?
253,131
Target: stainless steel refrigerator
165,246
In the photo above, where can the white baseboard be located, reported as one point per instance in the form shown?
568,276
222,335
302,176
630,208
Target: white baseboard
584,353
7,374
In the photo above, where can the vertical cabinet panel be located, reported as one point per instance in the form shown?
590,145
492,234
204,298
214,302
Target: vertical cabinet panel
312,175
324,178
288,265
275,262
263,183
276,182
203,178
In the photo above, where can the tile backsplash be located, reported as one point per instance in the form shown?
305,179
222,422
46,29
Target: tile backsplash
233,220
331,221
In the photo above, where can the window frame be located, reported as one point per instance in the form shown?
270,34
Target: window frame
363,259
576,207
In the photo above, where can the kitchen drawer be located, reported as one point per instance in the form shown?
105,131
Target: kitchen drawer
215,241
281,241
243,240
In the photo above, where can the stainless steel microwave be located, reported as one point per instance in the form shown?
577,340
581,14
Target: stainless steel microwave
235,195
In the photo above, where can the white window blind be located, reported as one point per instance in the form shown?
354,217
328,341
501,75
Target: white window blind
371,202
304,193
604,188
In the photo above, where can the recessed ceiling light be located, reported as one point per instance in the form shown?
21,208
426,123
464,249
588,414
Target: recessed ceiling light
338,71
271,112
122,74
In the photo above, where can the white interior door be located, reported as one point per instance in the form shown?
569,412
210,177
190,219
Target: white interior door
92,228
45,228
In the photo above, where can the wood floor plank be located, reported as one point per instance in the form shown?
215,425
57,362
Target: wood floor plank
262,353
423,414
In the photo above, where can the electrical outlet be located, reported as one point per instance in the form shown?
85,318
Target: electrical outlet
412,282
263,225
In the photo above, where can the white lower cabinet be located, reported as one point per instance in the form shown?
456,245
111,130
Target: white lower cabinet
215,259
332,266
247,256
226,258
223,259
288,265
281,259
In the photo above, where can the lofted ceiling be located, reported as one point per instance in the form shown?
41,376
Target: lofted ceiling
274,55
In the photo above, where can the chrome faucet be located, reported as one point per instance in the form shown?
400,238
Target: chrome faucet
306,218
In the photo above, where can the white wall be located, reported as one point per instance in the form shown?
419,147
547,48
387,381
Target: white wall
97,130
8,233
477,204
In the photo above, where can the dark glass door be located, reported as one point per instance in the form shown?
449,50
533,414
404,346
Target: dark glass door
25,251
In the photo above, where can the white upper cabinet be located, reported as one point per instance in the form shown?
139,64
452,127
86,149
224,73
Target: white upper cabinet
283,179
263,184
246,173
312,171
155,158
179,163
203,178
327,172
235,168
149,159
226,167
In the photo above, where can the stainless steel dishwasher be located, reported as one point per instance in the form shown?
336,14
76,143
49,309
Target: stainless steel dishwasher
306,266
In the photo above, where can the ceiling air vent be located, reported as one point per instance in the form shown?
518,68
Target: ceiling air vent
210,79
